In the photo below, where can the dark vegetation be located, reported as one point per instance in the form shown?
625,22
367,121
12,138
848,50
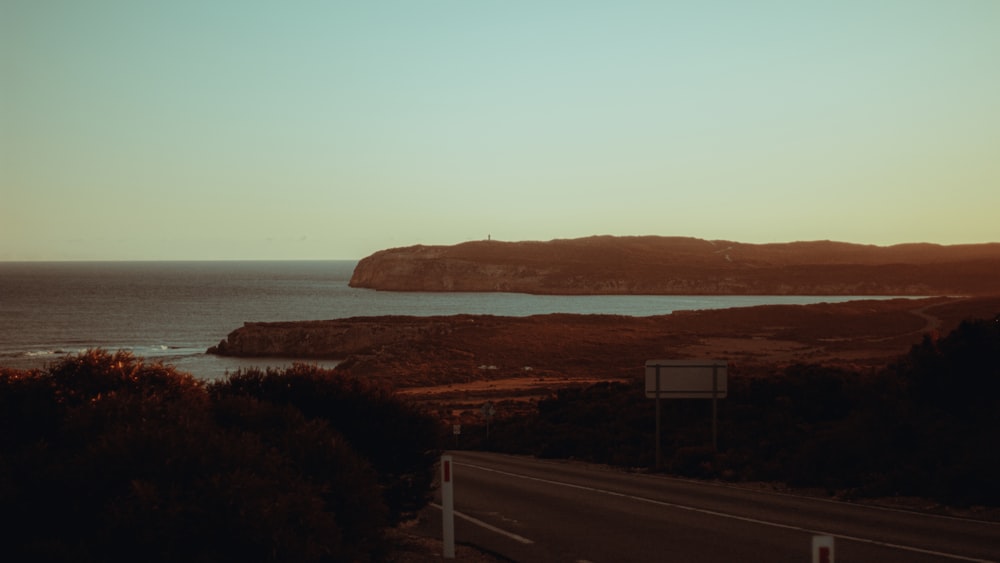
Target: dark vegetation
106,458
392,435
926,426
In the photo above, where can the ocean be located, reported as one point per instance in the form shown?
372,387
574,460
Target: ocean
173,311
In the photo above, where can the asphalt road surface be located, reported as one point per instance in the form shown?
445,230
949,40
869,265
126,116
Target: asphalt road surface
531,510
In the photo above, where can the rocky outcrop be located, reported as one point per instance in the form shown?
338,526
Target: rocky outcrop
338,339
684,266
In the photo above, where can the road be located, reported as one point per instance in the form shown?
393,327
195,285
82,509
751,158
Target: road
532,510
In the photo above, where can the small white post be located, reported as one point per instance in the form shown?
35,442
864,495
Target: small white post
447,507
822,549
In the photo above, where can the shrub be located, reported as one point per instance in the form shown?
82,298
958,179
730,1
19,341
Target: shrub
399,439
923,427
346,483
126,461
960,373
954,387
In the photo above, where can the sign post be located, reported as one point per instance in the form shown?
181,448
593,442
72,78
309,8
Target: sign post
659,453
686,379
715,407
447,507
488,411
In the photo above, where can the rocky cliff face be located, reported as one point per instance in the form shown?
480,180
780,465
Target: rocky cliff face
684,266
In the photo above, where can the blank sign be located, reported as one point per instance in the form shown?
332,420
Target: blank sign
687,379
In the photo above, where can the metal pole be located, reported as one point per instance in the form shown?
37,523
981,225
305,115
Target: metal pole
715,408
659,454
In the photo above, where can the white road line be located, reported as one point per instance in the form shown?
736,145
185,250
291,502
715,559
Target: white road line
489,527
873,507
733,516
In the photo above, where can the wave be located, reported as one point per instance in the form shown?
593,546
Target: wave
183,358
51,353
40,357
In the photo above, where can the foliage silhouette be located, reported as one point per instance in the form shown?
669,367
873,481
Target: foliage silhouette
399,439
106,458
923,426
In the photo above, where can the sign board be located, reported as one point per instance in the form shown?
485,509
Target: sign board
686,379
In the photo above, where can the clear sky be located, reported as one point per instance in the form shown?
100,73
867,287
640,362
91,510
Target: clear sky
182,129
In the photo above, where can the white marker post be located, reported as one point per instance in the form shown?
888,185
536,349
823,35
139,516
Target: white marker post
447,507
822,549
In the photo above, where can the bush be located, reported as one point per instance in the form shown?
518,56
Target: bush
346,483
126,461
923,427
954,388
401,441
958,374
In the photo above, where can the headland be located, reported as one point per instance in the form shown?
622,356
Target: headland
655,265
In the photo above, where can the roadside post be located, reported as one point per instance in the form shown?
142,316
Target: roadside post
715,407
659,453
488,411
686,379
822,549
447,507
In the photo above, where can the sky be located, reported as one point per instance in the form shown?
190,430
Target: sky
192,130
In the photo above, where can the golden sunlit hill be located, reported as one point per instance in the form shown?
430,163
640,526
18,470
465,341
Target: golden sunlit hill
685,266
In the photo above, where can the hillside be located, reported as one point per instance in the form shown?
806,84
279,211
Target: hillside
684,266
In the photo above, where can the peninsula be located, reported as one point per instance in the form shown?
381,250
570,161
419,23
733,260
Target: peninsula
654,265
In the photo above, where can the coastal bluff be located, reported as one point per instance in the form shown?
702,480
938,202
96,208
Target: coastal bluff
653,265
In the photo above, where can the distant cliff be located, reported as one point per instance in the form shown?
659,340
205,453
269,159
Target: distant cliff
685,266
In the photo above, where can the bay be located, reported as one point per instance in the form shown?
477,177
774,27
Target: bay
173,311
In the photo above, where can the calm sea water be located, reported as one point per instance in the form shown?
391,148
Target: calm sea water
173,311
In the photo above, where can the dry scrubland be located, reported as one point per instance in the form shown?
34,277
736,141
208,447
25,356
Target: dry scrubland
864,399
456,363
